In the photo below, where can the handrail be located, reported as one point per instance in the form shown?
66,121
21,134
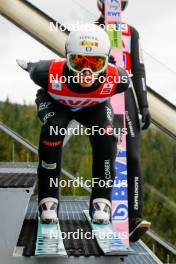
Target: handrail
161,241
163,113
34,149
19,138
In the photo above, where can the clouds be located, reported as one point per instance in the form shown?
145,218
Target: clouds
14,82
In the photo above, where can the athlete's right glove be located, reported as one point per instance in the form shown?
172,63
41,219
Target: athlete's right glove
145,118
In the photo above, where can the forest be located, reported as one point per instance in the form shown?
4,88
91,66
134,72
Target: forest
158,155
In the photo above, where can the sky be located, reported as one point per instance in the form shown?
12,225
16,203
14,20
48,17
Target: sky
154,19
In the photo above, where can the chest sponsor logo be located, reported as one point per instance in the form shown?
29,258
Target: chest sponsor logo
56,85
107,88
76,103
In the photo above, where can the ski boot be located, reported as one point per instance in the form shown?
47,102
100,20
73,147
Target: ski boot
138,228
48,210
101,212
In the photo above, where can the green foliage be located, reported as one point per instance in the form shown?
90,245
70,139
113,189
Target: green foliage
159,169
23,120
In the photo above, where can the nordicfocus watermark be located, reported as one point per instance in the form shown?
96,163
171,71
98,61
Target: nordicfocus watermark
81,234
80,182
86,79
80,130
55,26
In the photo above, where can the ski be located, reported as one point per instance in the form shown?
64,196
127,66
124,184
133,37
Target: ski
49,241
108,239
120,188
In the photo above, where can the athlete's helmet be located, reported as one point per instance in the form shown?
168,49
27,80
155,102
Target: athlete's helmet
90,40
101,5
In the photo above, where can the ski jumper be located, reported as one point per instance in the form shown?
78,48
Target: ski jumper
133,63
57,105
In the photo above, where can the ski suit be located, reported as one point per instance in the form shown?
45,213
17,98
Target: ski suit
58,103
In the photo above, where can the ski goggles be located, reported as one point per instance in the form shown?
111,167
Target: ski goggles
80,63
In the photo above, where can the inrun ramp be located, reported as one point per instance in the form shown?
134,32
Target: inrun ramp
18,226
72,219
17,183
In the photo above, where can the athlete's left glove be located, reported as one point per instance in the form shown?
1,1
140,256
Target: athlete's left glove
23,64
145,118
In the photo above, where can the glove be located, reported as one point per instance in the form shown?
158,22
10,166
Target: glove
112,60
23,64
145,118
